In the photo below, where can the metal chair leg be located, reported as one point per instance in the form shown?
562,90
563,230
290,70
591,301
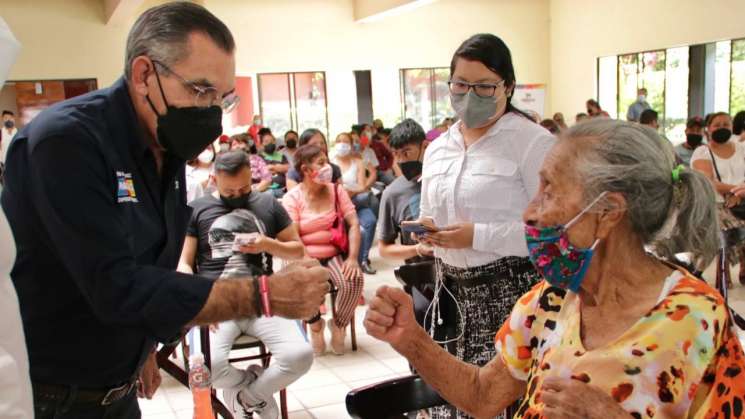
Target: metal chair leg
219,408
353,332
283,403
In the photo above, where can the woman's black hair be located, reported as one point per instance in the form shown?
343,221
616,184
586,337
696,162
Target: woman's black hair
307,135
406,132
712,116
305,155
492,52
738,123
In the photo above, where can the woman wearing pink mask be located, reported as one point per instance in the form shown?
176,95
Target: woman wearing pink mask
313,206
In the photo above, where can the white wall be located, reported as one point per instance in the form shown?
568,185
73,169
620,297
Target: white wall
553,41
65,39
583,30
68,39
279,35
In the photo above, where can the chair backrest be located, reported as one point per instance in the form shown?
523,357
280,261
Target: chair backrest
416,275
392,398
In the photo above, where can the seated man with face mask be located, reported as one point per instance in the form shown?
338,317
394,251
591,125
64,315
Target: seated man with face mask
400,203
235,233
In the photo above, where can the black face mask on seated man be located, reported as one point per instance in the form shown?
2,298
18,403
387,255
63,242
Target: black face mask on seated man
236,202
694,140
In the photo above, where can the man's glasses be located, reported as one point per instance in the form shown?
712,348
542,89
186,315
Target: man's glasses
205,96
484,90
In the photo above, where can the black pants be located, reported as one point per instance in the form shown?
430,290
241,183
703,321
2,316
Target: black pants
126,408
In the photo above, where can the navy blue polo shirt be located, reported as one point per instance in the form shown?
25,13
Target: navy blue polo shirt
99,233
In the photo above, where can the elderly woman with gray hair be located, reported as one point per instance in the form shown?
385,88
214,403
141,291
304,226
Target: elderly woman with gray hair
612,330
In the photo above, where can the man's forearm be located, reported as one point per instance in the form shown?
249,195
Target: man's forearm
264,185
185,268
372,178
397,251
228,300
282,168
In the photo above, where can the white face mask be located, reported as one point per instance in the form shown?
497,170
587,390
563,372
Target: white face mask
206,156
343,149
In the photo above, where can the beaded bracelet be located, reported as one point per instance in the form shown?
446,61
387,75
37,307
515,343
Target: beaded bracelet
264,289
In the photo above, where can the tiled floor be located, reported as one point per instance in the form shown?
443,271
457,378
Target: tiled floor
320,393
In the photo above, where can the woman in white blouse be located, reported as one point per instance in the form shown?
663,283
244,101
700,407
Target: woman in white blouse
477,180
727,174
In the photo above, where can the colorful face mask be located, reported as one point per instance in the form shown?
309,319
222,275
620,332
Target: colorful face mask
559,262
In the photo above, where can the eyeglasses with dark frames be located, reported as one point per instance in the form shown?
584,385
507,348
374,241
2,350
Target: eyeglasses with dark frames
205,96
459,87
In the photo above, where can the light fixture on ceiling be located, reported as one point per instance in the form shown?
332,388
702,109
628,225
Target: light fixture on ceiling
398,10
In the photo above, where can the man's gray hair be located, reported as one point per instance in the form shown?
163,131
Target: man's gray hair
670,217
162,32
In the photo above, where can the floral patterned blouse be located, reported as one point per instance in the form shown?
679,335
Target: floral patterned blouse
682,359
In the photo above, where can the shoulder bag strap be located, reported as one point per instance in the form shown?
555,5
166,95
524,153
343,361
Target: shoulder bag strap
714,163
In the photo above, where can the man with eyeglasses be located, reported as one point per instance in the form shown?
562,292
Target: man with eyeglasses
95,195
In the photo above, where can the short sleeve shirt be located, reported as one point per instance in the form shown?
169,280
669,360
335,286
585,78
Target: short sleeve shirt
215,226
683,346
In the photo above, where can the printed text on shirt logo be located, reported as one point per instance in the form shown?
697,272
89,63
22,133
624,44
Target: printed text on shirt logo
125,188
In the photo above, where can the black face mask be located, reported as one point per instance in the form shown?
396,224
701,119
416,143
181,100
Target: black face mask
270,148
186,132
722,135
411,169
236,202
291,144
694,140
9,124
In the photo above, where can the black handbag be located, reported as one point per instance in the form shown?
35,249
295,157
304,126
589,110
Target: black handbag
739,209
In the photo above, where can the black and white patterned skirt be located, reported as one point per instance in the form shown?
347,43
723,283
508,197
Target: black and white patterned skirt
486,295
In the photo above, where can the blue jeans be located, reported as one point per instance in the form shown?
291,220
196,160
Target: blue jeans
368,222
367,228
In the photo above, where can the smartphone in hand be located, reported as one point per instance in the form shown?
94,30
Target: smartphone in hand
415,227
245,239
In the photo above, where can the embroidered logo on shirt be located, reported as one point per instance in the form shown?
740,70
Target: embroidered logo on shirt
126,188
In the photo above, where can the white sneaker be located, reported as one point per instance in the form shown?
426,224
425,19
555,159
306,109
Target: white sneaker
232,402
266,409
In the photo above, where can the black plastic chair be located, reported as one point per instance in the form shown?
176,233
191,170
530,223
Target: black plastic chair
392,399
